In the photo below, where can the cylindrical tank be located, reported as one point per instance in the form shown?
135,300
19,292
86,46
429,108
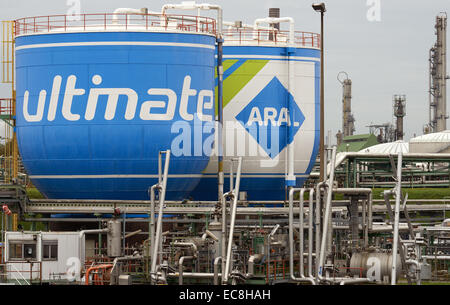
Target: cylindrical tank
257,115
99,97
374,265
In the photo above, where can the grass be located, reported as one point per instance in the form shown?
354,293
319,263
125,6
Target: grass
33,193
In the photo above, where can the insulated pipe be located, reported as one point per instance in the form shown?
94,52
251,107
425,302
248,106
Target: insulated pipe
152,218
114,266
187,244
216,270
210,234
124,10
327,214
255,258
180,268
318,233
302,277
161,209
398,195
271,20
232,221
84,232
355,281
89,270
310,231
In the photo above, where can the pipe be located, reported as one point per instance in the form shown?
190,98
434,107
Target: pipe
187,244
255,258
161,209
235,195
327,214
180,268
193,275
216,270
302,277
124,10
355,281
398,195
81,236
152,218
115,264
310,232
210,234
133,233
88,271
418,269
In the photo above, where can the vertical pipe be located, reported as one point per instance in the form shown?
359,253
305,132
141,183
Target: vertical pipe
327,213
301,228
232,221
398,193
310,231
322,103
290,179
160,212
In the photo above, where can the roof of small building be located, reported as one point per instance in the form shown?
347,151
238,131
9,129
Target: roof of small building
357,142
388,148
440,137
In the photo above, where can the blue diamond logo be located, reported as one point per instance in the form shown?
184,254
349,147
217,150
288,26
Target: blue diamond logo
268,120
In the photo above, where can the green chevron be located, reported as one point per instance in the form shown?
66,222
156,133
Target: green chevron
239,79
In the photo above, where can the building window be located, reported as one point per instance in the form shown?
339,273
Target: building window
19,250
50,250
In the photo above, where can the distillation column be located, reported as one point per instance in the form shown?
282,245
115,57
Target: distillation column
399,104
438,77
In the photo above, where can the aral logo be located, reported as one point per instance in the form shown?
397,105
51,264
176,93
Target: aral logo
268,120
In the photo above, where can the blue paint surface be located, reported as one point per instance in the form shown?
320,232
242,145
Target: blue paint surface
97,147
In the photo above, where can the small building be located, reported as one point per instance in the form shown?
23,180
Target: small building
357,142
43,256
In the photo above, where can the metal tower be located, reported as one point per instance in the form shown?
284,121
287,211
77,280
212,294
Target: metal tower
438,77
399,105
348,121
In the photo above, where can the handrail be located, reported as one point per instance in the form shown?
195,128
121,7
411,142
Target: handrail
270,36
111,21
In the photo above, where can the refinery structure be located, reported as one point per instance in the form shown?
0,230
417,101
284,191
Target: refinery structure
187,149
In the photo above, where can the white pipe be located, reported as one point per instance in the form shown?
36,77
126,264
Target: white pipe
235,195
81,236
161,209
302,277
125,10
191,5
210,234
216,270
271,20
327,215
187,244
180,268
398,193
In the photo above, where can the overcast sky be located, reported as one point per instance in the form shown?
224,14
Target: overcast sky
382,58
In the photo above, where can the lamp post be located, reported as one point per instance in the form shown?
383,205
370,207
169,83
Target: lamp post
320,7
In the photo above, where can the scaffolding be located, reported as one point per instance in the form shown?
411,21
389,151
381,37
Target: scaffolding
9,155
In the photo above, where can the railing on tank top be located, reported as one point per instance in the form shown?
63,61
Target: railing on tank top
243,36
114,22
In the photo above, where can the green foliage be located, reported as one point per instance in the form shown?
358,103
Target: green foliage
33,193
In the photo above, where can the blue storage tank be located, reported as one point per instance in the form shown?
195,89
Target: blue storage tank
257,117
98,98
